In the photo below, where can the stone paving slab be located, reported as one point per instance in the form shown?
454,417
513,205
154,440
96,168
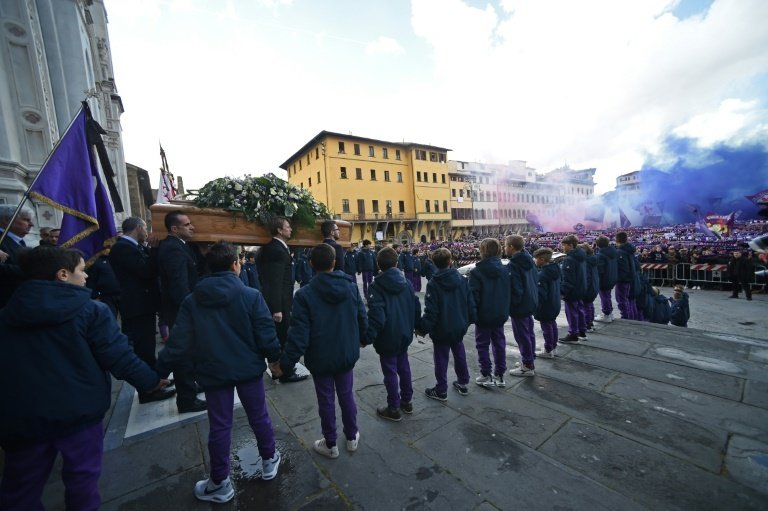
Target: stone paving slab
695,379
514,476
695,443
646,475
756,393
746,462
575,373
696,407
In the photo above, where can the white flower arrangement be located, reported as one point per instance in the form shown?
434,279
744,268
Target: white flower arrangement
262,198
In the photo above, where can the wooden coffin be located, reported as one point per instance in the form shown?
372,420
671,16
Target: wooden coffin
213,225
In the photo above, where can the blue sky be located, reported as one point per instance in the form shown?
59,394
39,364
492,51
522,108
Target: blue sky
237,86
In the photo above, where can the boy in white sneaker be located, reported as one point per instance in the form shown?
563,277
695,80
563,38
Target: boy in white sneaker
224,324
549,300
328,324
489,283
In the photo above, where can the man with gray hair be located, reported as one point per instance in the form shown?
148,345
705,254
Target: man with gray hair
13,244
139,295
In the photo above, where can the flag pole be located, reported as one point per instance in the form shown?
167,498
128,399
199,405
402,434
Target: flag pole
25,195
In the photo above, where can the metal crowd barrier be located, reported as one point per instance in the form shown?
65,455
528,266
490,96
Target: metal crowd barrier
667,274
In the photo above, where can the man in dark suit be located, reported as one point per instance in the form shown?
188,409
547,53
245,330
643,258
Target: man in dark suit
13,243
178,272
331,233
135,272
275,266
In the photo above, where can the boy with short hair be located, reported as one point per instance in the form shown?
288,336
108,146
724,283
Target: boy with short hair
489,282
593,287
50,328
449,309
549,300
608,271
328,325
627,266
573,288
524,300
393,312
224,324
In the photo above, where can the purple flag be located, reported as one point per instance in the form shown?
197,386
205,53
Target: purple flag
624,221
69,181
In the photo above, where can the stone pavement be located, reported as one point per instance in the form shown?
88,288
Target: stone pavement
640,416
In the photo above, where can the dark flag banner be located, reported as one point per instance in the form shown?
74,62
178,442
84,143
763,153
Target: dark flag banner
759,197
719,224
69,181
623,220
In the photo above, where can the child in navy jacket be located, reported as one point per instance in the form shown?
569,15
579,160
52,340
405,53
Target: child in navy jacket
524,300
679,308
51,331
328,324
393,311
549,300
448,311
489,282
224,324
608,272
574,288
593,286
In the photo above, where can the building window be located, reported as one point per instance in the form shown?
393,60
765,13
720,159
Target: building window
371,152
385,153
341,148
399,177
389,209
302,185
461,192
310,182
373,174
426,205
299,164
343,173
318,178
307,158
357,149
345,205
386,175
420,155
445,206
359,174
432,156
418,176
443,177
442,158
434,177
361,207
397,154
317,153
401,205
453,192
375,206
437,206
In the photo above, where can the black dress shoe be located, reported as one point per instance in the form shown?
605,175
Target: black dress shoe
158,395
292,378
198,405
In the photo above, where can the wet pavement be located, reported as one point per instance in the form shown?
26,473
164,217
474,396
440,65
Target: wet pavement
638,417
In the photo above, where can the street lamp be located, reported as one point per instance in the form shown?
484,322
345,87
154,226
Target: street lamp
469,187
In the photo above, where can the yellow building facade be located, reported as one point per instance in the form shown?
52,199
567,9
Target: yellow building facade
388,191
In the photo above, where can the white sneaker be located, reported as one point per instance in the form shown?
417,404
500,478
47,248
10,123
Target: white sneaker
484,381
352,444
328,452
208,491
269,467
546,354
499,381
521,370
605,318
